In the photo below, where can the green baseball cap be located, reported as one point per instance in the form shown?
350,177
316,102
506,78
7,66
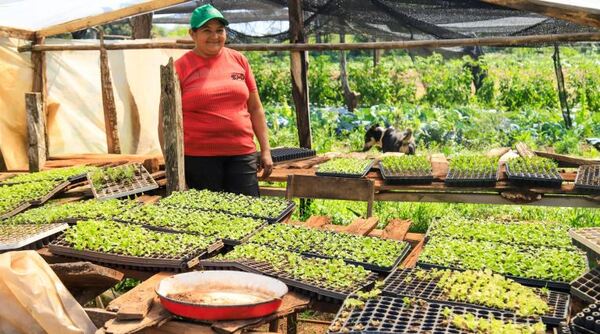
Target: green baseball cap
205,13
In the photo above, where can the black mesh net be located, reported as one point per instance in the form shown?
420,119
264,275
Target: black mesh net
380,20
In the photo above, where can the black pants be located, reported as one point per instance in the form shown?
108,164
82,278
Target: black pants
235,174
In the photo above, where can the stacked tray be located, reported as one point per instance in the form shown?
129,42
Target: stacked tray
392,315
282,154
141,182
46,190
588,178
587,287
28,236
588,237
404,283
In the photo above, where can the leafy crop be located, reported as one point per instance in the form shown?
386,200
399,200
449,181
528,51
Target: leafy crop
472,165
472,324
410,165
522,233
330,273
557,264
487,289
217,224
533,165
344,166
13,196
262,207
92,209
377,251
104,177
133,240
58,174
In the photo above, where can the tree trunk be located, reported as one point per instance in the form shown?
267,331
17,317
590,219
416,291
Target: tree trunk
141,26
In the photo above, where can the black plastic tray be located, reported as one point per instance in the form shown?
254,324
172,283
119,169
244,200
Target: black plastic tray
580,330
396,178
22,207
554,285
281,154
271,220
157,263
365,172
544,180
403,282
143,182
587,287
60,187
40,236
391,315
486,181
308,288
564,328
588,178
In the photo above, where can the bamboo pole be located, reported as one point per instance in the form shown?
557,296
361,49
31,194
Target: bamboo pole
435,43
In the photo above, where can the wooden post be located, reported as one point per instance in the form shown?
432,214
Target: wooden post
108,102
141,26
299,71
350,97
562,92
38,59
36,131
170,103
376,54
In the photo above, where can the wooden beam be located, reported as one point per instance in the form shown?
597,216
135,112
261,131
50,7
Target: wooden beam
429,43
299,72
36,131
17,33
141,26
39,83
579,15
170,103
87,22
108,102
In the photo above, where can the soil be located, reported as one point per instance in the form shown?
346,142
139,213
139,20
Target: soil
223,296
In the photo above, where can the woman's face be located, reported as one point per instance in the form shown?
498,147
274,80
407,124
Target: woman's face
209,38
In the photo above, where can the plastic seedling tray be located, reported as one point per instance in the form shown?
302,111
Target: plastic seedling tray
154,263
60,187
544,179
588,320
588,178
363,174
18,209
28,236
403,282
391,315
394,177
457,179
311,288
587,287
282,154
588,237
142,182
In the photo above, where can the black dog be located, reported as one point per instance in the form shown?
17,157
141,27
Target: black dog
390,140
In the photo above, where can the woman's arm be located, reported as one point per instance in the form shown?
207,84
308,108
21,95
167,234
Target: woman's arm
259,125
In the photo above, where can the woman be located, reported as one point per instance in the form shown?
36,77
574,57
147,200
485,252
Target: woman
221,111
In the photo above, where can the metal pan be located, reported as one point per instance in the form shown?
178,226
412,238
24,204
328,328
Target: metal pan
220,295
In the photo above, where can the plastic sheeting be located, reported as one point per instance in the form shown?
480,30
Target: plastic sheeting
34,300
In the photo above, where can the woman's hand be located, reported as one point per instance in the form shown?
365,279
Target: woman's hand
266,163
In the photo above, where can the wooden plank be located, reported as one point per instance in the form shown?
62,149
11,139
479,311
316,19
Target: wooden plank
334,228
497,152
17,33
139,294
157,315
99,316
377,233
317,221
439,165
148,199
170,101
574,12
524,150
299,73
178,327
36,131
304,186
396,229
108,102
85,280
417,242
566,160
362,226
90,21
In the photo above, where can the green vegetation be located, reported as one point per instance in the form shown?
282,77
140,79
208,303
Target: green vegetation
206,223
376,251
56,213
13,196
533,165
352,166
473,165
547,263
102,178
473,324
261,207
111,237
58,174
409,165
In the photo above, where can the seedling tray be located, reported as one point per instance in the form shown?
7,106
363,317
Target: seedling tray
368,266
391,315
22,207
455,179
309,288
534,282
142,182
588,237
581,330
291,153
363,174
403,282
536,179
154,263
588,178
60,187
392,177
271,220
28,236
587,287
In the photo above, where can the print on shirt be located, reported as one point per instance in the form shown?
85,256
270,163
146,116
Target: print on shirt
238,76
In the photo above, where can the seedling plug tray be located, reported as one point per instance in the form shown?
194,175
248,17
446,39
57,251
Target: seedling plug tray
282,154
587,287
142,182
358,175
28,236
544,179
